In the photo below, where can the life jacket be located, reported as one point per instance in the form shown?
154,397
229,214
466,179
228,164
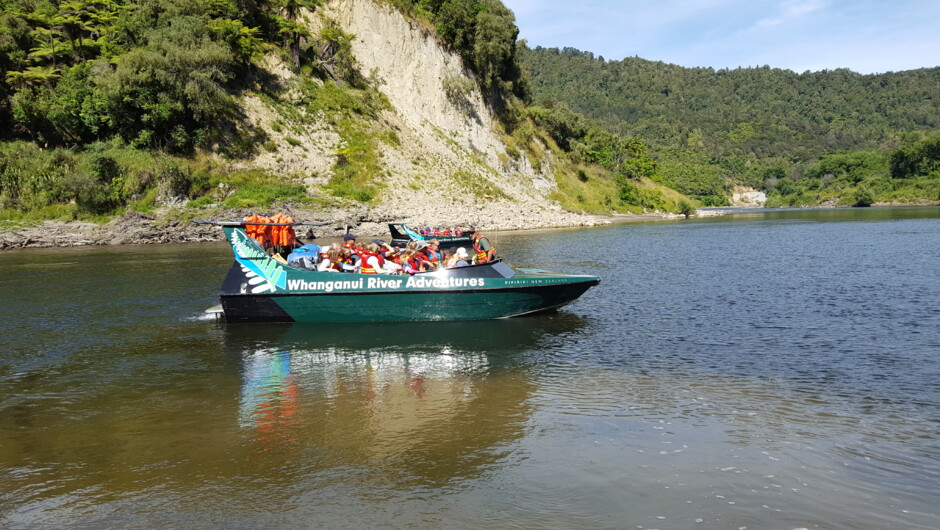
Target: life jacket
432,256
343,262
366,268
283,236
415,263
260,233
482,255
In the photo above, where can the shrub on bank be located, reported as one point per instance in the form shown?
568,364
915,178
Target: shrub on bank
109,178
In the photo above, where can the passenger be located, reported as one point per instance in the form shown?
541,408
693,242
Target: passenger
372,260
392,262
349,240
385,249
421,255
348,263
462,258
331,261
417,248
433,254
485,252
448,258
409,263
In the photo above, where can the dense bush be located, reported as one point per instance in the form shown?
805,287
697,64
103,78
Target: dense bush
920,158
762,127
156,73
484,33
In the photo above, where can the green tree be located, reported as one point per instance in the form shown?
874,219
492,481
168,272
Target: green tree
494,42
168,93
917,159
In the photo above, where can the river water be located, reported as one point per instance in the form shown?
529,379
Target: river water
761,370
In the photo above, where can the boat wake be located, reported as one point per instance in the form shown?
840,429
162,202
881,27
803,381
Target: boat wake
200,317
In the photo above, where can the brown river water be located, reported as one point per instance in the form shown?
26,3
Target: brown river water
757,370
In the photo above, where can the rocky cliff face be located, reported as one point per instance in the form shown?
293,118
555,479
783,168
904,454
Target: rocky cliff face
448,150
744,197
445,142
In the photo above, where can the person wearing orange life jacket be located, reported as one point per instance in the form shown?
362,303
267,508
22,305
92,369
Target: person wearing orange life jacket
485,251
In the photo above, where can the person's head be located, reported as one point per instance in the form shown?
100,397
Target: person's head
349,238
474,233
373,248
333,254
462,253
412,245
345,252
434,244
449,252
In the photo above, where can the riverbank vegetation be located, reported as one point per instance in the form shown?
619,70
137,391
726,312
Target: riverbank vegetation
114,105
117,105
806,139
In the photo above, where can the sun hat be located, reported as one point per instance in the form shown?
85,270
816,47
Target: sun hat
462,252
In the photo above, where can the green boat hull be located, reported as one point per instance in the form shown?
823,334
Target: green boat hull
259,289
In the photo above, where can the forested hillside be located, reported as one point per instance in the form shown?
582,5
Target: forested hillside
109,106
761,126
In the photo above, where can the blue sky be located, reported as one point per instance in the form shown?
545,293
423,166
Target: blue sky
866,36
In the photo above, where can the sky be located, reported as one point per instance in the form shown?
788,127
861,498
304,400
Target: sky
867,36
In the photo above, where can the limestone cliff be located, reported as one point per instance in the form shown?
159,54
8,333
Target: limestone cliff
449,148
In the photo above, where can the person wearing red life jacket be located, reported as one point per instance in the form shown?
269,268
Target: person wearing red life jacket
330,262
418,257
392,263
347,260
485,251
433,254
409,262
372,260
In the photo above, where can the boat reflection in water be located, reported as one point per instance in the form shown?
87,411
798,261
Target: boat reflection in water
404,403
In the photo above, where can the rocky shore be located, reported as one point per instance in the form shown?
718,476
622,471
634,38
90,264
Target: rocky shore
135,228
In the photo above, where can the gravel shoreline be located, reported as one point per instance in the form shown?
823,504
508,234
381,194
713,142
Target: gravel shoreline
135,228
